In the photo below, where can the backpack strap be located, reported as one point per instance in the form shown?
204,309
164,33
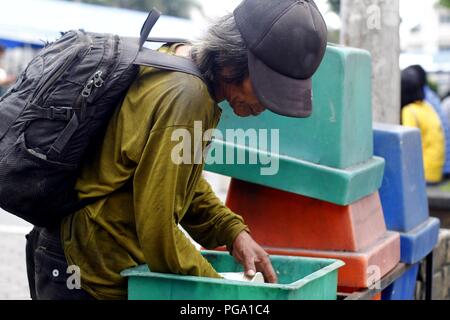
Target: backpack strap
149,23
152,58
168,40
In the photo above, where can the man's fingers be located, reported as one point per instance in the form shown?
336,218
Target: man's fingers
267,269
249,266
247,252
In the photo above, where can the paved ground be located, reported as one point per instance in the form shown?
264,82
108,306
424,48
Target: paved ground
13,278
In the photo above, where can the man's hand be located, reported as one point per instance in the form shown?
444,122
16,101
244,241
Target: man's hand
254,259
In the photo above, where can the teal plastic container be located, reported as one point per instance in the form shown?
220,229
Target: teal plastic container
299,279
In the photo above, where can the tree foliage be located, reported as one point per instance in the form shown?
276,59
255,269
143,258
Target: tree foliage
177,8
445,3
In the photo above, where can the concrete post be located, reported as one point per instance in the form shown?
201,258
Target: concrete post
373,25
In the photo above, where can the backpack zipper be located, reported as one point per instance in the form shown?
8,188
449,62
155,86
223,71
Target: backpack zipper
96,81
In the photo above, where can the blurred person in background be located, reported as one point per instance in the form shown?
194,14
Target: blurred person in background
5,78
417,113
434,100
446,105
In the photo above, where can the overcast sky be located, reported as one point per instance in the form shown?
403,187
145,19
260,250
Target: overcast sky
219,7
411,11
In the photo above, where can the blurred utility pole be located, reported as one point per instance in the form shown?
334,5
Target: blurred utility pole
374,25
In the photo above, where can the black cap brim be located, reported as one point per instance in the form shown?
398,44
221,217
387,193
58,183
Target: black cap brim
280,94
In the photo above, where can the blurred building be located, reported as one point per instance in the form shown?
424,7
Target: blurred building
26,25
431,34
426,41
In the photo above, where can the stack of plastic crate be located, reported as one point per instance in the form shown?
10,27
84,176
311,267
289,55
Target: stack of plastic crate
318,195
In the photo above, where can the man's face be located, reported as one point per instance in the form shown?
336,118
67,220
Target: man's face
242,99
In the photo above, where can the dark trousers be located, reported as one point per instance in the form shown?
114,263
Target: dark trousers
47,268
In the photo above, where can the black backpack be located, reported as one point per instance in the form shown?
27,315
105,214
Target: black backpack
59,105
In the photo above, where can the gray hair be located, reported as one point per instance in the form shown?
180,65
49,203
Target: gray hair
222,47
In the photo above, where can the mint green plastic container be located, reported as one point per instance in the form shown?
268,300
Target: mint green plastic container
299,279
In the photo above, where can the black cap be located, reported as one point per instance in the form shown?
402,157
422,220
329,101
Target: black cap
287,40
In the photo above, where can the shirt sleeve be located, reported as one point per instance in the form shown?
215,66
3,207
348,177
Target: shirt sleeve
162,193
409,118
209,221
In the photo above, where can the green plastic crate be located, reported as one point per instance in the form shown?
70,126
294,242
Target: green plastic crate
328,156
339,186
339,132
299,279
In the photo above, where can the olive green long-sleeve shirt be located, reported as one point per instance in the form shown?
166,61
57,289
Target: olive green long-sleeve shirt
144,194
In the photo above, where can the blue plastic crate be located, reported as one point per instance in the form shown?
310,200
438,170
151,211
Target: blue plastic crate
403,192
403,288
418,243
